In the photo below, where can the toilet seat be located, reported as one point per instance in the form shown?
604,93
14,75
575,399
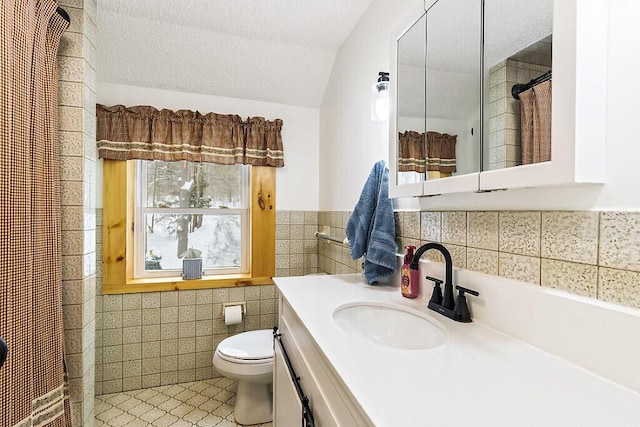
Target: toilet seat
252,347
244,361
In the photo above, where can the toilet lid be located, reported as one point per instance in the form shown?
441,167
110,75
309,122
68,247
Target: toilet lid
251,345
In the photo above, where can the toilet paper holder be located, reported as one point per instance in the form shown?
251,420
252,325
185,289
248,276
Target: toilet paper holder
242,304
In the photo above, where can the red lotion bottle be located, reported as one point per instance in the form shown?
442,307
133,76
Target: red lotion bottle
409,285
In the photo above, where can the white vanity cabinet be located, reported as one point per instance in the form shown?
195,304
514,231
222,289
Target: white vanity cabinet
330,403
506,369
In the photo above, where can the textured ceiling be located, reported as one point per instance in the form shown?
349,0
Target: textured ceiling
268,50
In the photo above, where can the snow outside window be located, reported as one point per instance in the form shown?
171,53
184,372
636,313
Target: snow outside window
183,205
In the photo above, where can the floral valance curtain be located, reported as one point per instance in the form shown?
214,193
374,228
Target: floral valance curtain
146,133
437,155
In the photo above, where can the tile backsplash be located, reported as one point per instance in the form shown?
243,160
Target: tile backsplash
588,253
158,338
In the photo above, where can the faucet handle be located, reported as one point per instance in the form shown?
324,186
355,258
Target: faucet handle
434,280
461,310
469,291
436,296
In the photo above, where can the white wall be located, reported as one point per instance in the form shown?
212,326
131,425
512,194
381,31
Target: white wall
296,182
351,143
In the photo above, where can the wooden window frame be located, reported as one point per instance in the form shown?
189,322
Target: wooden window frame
118,236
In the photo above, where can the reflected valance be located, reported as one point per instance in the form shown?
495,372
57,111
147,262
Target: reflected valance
411,152
146,133
441,152
438,154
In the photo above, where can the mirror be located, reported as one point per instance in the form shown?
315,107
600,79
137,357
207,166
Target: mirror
517,51
457,67
411,48
438,104
453,104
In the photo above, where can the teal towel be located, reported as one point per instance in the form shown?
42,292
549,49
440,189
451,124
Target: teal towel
371,228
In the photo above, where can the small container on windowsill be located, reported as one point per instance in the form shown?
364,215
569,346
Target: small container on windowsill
192,268
191,264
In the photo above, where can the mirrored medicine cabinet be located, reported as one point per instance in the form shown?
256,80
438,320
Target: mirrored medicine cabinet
496,94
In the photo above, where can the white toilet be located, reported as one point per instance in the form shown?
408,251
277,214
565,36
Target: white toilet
248,358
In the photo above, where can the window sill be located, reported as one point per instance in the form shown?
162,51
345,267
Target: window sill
155,284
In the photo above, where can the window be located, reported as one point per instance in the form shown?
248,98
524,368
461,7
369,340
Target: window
185,205
154,211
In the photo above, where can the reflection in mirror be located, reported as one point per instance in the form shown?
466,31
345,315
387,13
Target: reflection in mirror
410,104
453,88
517,52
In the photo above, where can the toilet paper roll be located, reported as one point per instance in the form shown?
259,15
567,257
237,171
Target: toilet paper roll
232,315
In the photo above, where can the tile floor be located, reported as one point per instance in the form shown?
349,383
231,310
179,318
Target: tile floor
204,403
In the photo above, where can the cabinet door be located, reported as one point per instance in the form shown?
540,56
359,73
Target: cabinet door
435,135
453,96
575,35
287,408
407,162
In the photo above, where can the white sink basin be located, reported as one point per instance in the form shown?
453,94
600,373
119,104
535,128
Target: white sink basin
390,325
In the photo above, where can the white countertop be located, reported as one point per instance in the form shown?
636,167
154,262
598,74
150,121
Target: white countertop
478,377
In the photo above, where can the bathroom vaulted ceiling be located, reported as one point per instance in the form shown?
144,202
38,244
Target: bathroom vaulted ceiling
268,50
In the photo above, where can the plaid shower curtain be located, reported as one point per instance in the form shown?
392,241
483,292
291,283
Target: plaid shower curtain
33,388
535,123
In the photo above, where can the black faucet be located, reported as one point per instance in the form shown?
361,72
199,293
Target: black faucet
447,302
446,306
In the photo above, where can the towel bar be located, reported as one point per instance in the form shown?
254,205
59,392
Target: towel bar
331,238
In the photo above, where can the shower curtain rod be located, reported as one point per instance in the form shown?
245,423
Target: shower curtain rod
517,89
64,14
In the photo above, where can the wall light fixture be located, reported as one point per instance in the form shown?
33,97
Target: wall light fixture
380,98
